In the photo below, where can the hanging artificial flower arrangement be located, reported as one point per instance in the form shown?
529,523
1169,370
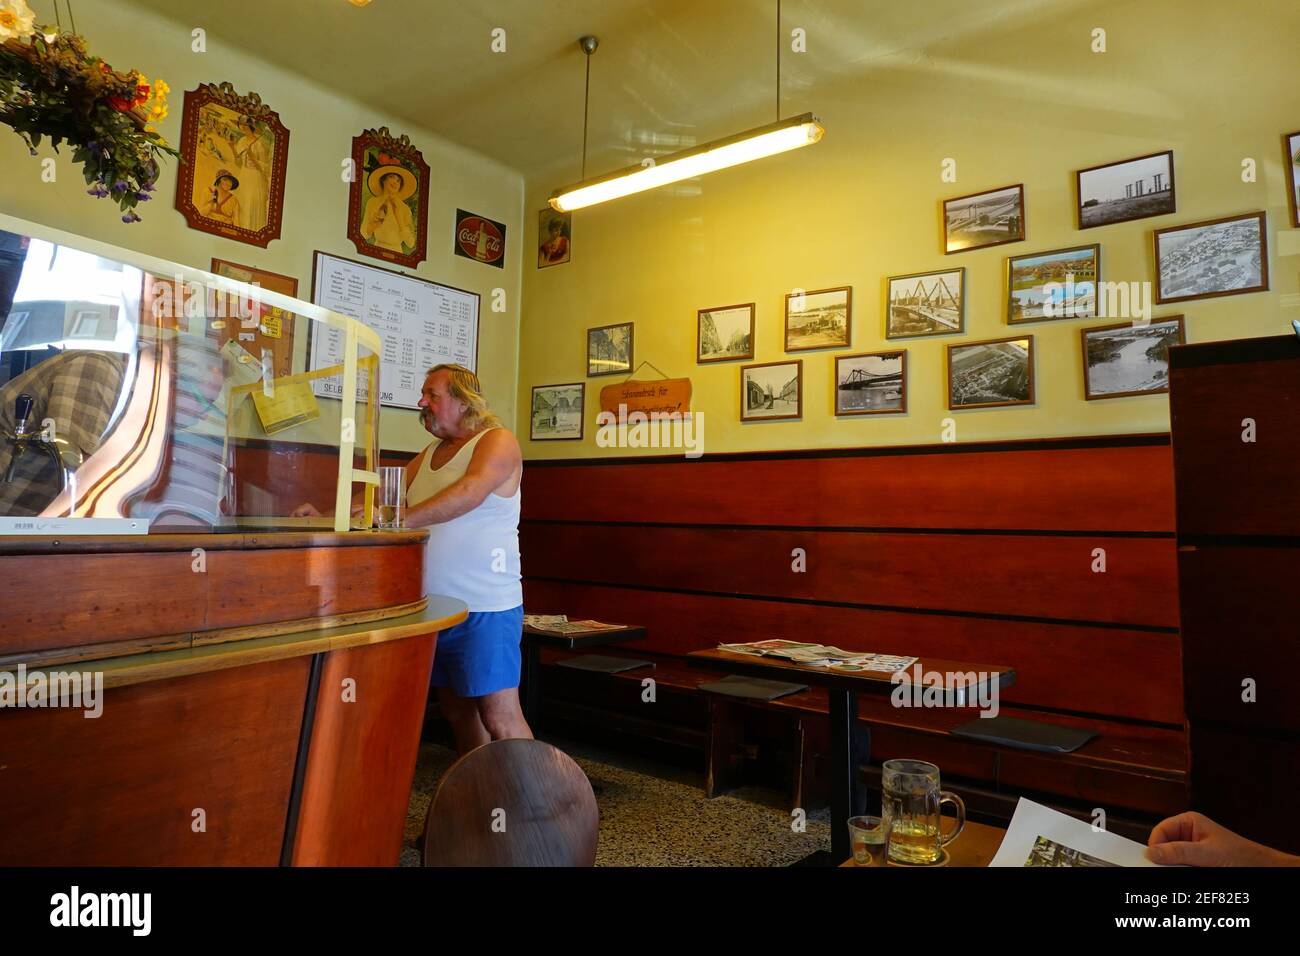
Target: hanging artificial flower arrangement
51,88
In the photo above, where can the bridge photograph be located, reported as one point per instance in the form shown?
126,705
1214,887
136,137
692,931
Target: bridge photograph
870,384
1131,189
928,303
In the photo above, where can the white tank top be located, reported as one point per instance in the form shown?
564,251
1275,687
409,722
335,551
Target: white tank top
474,557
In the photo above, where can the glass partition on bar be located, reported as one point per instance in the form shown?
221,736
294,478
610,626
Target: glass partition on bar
143,396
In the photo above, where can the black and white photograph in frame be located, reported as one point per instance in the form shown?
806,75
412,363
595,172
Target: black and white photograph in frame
1129,358
821,319
991,374
871,383
609,350
980,220
771,391
1204,260
1129,189
926,303
556,412
725,334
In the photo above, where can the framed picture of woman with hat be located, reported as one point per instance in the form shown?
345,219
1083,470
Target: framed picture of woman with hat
388,203
232,181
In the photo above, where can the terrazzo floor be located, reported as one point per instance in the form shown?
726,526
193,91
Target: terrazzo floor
656,815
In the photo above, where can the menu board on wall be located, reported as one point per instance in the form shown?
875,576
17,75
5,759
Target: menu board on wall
420,323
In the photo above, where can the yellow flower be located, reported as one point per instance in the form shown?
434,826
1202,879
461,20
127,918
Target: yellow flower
162,87
149,128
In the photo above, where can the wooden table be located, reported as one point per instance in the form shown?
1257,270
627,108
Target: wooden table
842,689
536,638
976,846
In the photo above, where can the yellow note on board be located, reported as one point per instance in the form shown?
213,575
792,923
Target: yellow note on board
288,405
273,323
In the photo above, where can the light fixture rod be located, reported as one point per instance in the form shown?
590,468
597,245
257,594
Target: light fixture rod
778,61
588,46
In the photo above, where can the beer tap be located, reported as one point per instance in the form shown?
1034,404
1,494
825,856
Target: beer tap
66,458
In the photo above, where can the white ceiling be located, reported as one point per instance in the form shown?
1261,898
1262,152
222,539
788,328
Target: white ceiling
668,74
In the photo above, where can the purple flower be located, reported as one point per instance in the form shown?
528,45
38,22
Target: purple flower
120,186
142,197
130,217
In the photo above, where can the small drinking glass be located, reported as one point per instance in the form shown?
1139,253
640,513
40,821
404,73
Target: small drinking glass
392,497
869,837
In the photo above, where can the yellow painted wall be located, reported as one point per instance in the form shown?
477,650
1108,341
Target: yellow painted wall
321,127
1025,102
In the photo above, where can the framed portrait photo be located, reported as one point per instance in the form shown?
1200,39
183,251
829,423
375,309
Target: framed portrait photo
1061,284
725,333
926,303
388,199
1204,260
872,383
554,237
771,391
821,319
1130,189
991,374
1129,358
984,219
557,412
1291,143
609,350
234,150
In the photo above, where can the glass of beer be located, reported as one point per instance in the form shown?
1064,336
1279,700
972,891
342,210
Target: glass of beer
391,500
869,837
911,801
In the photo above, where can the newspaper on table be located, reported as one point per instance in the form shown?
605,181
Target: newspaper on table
560,624
822,655
544,620
1040,836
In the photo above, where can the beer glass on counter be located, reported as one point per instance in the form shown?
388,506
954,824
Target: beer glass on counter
910,803
392,497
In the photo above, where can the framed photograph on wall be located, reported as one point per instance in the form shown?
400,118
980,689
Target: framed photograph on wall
1126,190
991,374
609,350
1128,358
872,383
1204,260
273,327
388,200
554,237
820,319
926,303
985,219
1291,141
556,412
771,391
234,150
1061,284
725,333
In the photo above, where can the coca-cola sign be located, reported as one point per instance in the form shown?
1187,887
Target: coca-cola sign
480,238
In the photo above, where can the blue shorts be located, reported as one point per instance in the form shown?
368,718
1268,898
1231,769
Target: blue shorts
480,655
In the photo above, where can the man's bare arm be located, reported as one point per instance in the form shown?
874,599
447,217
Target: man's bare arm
495,459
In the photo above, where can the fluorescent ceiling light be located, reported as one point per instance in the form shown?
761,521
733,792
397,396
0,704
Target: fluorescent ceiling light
743,147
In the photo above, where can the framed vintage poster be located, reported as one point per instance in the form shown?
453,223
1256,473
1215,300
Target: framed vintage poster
479,238
234,150
554,237
388,200
984,219
991,374
556,412
609,350
1129,358
273,327
873,383
725,333
1061,284
1291,142
1126,190
1204,260
771,391
926,303
821,319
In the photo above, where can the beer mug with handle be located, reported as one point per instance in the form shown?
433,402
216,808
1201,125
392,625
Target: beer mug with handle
910,803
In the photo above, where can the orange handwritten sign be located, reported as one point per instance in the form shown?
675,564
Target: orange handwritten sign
665,396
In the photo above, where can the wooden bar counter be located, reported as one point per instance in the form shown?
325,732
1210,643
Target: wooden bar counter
263,695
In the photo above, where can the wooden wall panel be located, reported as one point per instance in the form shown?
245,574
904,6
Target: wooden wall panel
1021,575
362,755
1109,671
1127,487
120,789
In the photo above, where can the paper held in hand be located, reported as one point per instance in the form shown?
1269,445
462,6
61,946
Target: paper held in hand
1039,836
822,655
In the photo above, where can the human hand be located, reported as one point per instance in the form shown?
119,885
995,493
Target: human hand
305,510
1193,839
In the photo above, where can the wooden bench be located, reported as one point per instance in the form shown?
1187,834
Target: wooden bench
1054,557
